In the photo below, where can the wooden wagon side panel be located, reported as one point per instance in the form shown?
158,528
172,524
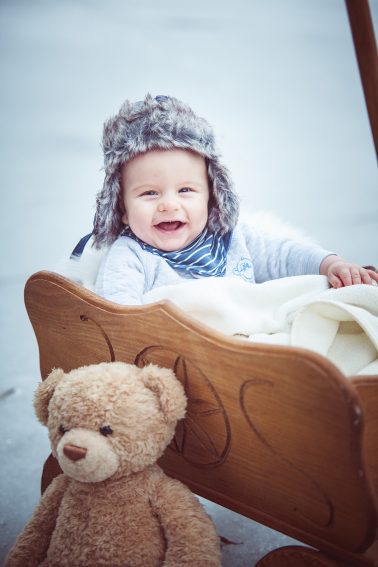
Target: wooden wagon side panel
271,432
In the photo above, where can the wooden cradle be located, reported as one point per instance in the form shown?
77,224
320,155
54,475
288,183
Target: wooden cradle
275,433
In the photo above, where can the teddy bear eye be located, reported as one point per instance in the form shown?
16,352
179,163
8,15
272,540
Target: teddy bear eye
106,430
62,429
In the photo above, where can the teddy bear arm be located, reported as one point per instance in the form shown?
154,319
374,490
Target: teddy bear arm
190,533
32,544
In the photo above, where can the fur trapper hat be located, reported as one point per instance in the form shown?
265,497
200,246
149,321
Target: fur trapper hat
160,123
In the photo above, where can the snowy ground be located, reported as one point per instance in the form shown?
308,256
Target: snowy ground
279,82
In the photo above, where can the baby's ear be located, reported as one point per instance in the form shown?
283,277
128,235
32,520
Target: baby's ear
44,393
168,390
125,218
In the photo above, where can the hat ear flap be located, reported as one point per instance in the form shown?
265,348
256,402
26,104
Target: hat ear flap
108,219
224,204
167,389
44,393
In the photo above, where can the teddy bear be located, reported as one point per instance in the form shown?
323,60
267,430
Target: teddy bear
113,506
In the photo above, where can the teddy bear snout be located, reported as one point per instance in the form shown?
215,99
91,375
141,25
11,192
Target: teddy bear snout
74,453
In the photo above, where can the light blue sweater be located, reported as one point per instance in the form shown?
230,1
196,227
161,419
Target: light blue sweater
256,255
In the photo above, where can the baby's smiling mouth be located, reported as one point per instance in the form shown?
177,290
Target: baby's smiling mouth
169,226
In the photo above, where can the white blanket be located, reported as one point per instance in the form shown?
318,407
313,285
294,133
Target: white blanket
341,324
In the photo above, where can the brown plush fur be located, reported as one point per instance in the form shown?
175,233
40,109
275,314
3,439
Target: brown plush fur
114,506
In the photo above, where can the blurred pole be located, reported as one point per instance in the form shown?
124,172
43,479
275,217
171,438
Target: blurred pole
366,51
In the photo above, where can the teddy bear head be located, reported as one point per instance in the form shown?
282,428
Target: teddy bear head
110,419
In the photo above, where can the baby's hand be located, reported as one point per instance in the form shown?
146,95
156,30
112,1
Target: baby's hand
341,273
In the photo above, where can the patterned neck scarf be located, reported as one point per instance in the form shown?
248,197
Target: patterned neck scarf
204,257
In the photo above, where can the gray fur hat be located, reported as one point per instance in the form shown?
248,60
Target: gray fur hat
160,123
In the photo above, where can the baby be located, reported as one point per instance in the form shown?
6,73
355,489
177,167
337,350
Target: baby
169,212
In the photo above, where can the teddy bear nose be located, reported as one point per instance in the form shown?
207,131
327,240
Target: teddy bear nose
74,453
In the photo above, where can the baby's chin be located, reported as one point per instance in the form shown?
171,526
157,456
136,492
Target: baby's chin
170,247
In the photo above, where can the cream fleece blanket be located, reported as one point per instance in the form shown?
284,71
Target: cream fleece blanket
341,324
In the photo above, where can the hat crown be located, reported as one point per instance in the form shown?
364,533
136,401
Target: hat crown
155,123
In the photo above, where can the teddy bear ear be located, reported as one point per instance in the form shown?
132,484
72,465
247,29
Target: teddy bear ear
168,390
44,394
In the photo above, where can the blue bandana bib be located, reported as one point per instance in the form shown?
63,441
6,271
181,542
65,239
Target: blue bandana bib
204,257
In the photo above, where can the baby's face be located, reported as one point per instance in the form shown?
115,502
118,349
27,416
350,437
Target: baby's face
166,197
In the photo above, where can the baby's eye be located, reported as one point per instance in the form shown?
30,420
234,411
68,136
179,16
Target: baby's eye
150,193
62,429
185,190
106,430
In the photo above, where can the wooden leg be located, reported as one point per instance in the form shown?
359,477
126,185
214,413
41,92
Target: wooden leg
296,556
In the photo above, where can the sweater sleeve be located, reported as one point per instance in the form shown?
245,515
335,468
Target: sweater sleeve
121,277
279,253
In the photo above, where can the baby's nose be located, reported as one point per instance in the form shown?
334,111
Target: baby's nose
168,204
